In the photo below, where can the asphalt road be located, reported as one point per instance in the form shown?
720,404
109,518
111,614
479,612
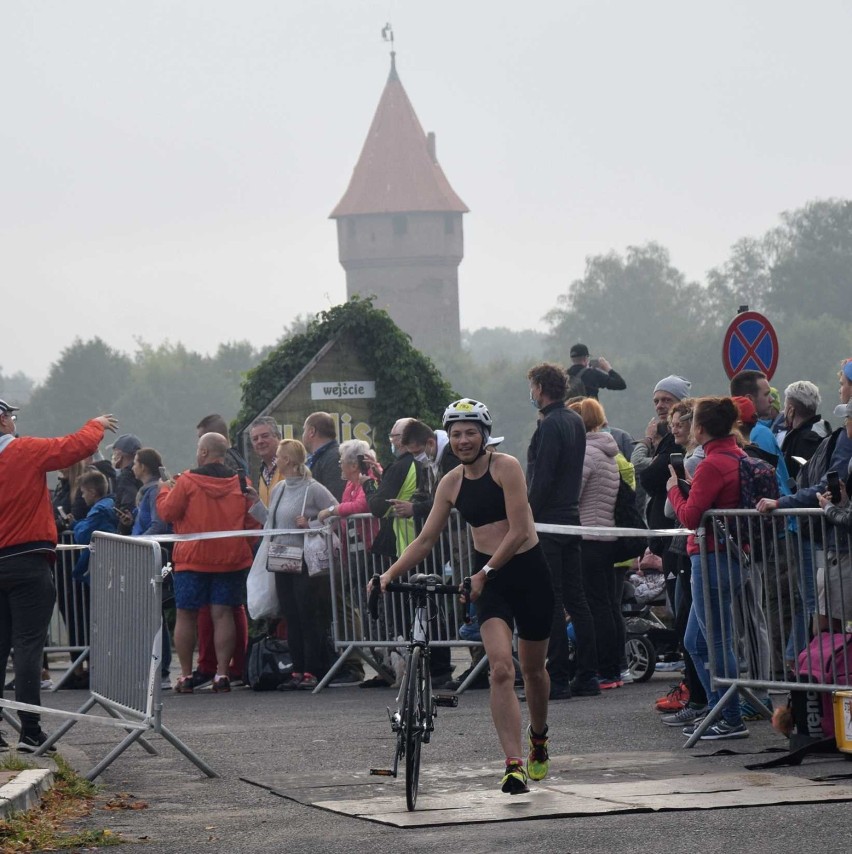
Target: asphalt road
304,737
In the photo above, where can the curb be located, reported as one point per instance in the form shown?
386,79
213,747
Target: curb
25,791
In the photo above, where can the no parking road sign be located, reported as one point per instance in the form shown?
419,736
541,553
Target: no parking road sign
750,345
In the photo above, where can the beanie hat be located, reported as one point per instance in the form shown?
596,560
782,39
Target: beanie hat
748,414
676,386
847,369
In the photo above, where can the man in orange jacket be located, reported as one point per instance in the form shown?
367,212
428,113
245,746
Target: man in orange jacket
28,551
208,572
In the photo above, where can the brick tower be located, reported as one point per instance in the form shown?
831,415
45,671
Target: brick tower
399,226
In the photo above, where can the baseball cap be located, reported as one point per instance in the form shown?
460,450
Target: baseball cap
579,350
7,407
127,444
844,410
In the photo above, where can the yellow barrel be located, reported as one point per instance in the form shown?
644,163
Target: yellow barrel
843,720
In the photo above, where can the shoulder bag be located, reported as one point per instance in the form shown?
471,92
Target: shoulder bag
282,558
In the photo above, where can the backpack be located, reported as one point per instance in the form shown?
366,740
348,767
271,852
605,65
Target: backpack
811,473
268,663
576,387
826,660
757,480
627,515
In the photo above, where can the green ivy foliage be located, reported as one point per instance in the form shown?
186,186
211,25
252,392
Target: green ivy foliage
407,381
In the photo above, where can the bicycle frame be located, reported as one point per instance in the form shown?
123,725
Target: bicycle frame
416,706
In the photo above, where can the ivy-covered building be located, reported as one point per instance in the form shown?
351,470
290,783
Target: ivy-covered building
353,362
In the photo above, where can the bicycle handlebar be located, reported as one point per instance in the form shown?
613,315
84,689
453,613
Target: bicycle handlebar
419,584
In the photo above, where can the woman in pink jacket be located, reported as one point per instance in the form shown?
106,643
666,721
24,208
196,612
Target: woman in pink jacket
354,498
598,492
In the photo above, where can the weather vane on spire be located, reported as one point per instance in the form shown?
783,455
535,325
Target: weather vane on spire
387,35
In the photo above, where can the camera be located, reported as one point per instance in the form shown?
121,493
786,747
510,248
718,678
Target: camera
363,465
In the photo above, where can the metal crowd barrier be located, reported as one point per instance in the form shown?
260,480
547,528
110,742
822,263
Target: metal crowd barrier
354,633
782,585
126,626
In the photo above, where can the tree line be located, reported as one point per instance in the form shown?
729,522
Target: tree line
635,307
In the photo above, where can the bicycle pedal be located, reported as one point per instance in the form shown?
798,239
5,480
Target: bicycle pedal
381,772
449,701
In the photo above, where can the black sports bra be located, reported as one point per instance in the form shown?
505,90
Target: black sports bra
481,501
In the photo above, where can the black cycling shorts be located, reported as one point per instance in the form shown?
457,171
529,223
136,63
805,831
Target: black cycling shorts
520,593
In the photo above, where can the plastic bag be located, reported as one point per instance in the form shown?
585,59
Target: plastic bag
262,597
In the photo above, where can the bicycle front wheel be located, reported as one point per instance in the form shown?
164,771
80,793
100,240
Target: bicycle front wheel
412,721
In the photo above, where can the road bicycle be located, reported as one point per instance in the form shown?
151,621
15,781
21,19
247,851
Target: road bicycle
414,719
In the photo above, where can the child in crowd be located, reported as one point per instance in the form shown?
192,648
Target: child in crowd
102,516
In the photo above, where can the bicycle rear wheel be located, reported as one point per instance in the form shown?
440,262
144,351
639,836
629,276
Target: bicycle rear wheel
412,721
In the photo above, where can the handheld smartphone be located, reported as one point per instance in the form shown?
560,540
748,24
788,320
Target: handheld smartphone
833,481
363,465
676,462
241,474
164,474
62,514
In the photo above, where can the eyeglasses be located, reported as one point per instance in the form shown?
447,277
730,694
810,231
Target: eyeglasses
11,416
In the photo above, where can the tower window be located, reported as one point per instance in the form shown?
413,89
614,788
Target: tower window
400,224
449,224
350,228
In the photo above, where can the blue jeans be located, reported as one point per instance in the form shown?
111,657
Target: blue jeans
718,609
804,602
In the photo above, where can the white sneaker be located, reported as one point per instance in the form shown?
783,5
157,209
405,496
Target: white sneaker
626,677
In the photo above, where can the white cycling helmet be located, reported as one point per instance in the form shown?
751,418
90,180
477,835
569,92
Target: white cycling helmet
467,409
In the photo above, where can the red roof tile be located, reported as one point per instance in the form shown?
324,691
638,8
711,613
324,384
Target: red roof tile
395,172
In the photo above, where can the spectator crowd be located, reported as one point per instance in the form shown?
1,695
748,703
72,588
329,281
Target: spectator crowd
579,468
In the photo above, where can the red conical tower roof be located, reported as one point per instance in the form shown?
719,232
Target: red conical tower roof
396,173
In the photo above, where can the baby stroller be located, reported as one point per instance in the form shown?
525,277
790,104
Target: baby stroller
648,637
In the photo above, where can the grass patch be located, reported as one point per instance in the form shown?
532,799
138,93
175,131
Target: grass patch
43,828
13,761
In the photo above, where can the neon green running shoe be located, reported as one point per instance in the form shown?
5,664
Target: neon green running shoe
538,763
514,781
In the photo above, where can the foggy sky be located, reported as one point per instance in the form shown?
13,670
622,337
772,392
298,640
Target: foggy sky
168,167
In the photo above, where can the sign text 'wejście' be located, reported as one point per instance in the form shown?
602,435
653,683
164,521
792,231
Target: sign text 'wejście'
343,390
